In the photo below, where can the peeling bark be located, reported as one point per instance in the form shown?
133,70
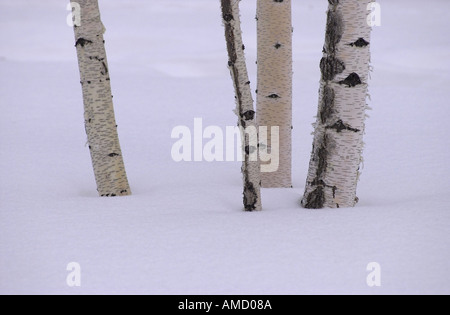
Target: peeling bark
244,103
338,137
100,122
274,100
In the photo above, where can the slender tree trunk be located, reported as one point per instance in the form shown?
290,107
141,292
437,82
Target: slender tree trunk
274,99
99,116
338,138
244,103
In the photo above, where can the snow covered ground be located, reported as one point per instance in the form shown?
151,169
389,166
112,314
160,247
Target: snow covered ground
183,231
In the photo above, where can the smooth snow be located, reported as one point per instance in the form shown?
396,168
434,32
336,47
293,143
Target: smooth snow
183,231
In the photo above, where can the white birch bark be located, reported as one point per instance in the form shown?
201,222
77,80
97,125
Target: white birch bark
99,116
338,137
274,98
244,104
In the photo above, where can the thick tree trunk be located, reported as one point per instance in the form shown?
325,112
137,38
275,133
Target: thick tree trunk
244,103
338,138
100,121
274,99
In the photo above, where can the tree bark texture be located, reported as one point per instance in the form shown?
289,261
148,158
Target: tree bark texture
274,98
244,104
338,137
100,122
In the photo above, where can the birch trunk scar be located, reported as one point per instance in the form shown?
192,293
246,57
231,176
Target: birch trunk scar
244,105
100,123
338,137
274,98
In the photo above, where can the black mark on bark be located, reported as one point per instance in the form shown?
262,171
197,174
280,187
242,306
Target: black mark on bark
105,69
96,58
322,155
334,191
109,195
228,17
352,80
250,196
316,199
335,29
249,115
360,43
82,42
330,67
340,126
243,123
250,150
327,108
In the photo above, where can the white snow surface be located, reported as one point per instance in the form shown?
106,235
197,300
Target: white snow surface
183,231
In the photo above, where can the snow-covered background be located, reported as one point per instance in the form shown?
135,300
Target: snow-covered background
183,231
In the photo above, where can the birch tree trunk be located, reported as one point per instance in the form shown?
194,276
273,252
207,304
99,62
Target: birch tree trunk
99,116
274,98
338,137
244,104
